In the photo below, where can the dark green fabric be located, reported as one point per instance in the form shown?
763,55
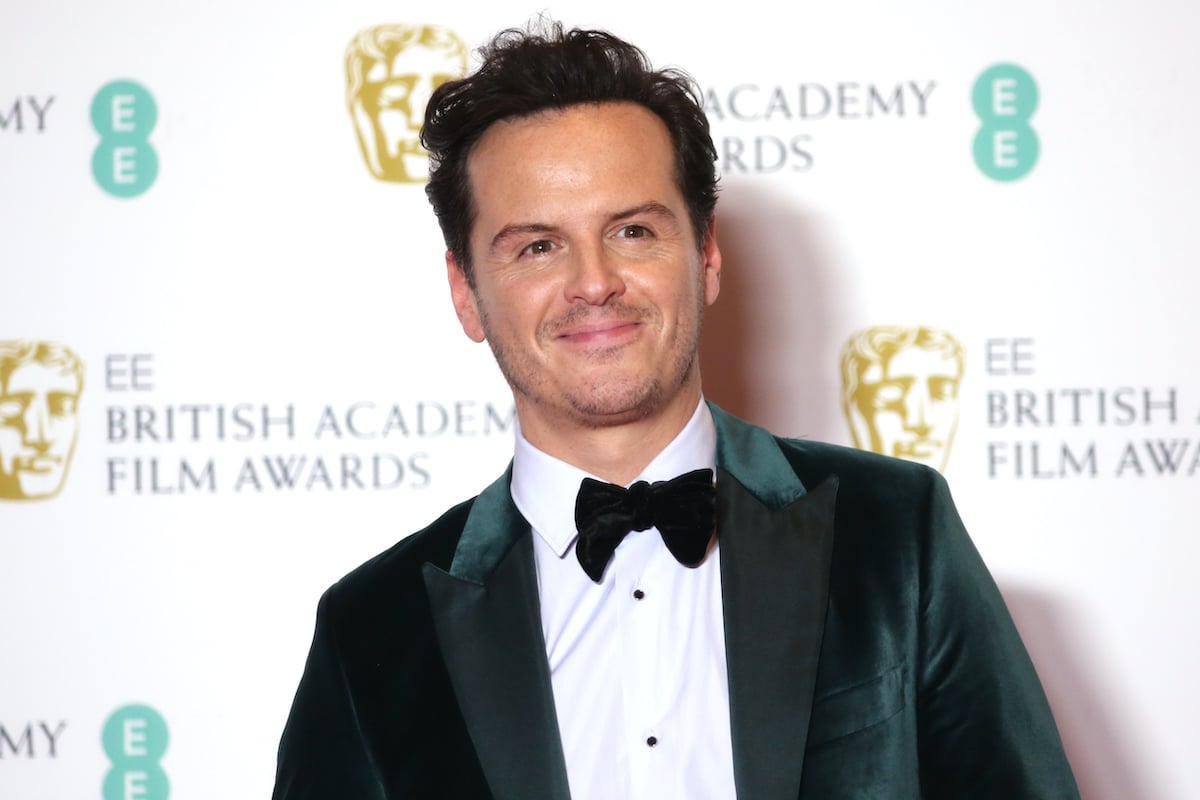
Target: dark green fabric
916,685
492,528
774,586
491,639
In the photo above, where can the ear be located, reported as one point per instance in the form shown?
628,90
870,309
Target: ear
466,304
710,255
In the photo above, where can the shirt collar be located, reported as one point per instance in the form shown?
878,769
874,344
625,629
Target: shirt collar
544,487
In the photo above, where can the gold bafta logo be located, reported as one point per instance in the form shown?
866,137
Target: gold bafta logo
900,391
391,70
40,384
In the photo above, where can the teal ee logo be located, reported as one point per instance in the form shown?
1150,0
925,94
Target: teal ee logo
135,738
124,163
1006,147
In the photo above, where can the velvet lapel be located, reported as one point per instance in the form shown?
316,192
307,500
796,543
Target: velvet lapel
776,544
489,628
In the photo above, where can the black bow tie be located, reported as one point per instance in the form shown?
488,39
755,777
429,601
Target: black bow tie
682,509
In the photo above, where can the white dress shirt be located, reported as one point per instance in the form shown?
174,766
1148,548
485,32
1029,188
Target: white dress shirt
637,661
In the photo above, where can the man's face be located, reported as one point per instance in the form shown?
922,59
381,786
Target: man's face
38,424
589,283
910,404
394,96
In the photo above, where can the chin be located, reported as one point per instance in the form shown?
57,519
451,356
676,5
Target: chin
606,405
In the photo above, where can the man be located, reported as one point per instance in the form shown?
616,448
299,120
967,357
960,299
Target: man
836,636
40,384
900,391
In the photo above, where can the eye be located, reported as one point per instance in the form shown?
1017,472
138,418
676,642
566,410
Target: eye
62,404
943,388
888,394
11,410
396,92
539,248
633,231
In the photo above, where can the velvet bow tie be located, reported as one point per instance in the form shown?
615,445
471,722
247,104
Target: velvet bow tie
682,509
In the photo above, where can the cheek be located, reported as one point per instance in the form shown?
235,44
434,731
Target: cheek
527,306
888,424
943,415
62,431
679,301
510,323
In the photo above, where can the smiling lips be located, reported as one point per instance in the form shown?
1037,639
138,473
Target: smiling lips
599,332
918,448
39,464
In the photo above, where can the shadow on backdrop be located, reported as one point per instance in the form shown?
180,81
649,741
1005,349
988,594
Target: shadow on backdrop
769,351
1102,767
769,354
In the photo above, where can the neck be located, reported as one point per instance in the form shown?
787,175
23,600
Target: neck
617,453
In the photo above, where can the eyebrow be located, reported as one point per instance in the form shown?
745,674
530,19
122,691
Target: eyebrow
520,229
511,231
652,208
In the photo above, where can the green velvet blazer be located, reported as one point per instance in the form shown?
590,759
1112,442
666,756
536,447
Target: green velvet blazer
870,654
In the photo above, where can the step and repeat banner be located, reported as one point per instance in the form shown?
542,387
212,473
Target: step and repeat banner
229,369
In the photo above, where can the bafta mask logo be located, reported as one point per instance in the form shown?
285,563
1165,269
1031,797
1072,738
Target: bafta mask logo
900,391
40,383
391,70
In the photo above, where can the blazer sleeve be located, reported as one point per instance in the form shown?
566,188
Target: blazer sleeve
984,726
323,754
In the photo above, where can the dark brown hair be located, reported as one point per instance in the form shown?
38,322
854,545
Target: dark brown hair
527,71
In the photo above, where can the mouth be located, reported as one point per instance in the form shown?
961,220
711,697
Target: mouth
38,464
921,448
601,332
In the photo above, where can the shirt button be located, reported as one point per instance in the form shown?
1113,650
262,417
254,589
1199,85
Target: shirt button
653,740
638,594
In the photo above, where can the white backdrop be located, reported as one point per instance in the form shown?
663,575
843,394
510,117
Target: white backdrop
287,311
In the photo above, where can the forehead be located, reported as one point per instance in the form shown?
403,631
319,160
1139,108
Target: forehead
418,59
35,377
919,361
568,159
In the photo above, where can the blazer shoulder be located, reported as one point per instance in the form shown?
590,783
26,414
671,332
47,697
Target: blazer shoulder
397,571
858,471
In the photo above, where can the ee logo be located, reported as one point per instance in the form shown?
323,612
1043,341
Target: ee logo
1006,147
135,738
124,163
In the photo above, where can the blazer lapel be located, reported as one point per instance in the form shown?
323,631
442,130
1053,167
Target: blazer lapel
488,625
776,545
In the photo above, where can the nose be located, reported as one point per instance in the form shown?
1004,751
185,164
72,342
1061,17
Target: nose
916,409
36,419
595,276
